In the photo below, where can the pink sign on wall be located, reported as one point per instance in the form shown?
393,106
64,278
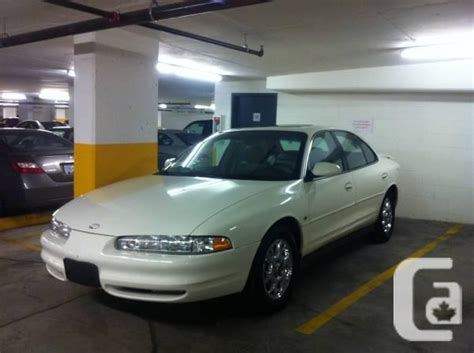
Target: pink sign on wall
363,126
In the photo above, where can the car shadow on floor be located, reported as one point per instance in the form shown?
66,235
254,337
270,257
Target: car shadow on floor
232,306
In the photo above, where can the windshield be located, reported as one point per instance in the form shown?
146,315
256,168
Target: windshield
251,155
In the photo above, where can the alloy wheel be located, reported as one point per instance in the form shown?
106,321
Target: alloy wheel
277,269
387,216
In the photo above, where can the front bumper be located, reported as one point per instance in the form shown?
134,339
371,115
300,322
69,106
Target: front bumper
150,277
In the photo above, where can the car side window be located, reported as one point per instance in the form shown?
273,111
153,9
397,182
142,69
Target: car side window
369,154
352,148
324,149
164,140
195,128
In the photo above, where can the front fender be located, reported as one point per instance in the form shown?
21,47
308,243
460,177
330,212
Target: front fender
247,221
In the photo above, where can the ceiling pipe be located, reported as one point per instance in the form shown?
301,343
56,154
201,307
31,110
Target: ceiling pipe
185,8
111,15
198,37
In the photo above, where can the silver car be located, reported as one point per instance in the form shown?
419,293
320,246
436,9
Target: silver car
36,170
39,125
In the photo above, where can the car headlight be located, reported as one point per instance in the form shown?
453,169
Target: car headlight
173,244
60,228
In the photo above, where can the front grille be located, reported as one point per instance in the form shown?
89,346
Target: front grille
171,293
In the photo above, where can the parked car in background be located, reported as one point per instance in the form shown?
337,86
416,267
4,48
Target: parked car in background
199,127
36,170
236,214
172,142
66,132
9,122
39,125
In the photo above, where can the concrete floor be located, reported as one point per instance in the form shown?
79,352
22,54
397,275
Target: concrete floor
40,314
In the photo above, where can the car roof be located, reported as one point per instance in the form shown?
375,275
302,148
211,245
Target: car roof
305,128
25,131
62,128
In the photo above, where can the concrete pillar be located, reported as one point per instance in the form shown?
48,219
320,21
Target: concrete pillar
9,112
159,119
60,114
70,111
115,103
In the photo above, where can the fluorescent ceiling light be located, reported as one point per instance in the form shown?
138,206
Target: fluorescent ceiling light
206,107
162,106
13,96
61,106
8,104
439,52
186,72
444,37
445,45
54,94
71,73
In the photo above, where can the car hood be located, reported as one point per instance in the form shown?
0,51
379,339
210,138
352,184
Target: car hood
156,204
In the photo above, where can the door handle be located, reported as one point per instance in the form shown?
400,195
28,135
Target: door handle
348,186
384,176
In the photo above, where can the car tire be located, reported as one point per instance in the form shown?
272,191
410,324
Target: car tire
385,224
272,275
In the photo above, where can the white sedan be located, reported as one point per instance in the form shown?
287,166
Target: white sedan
235,214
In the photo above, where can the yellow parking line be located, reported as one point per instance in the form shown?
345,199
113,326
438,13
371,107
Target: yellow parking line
24,220
22,237
22,244
317,322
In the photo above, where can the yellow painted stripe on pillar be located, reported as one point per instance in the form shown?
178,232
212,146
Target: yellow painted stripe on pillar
100,165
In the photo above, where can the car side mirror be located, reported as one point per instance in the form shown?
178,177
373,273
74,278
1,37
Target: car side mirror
324,169
168,162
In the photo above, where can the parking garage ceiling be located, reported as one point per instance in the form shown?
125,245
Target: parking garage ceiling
326,34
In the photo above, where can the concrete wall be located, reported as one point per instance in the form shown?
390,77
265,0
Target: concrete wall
41,112
448,76
430,134
9,112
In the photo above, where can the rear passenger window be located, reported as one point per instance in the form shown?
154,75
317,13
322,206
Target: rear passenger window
352,149
369,154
